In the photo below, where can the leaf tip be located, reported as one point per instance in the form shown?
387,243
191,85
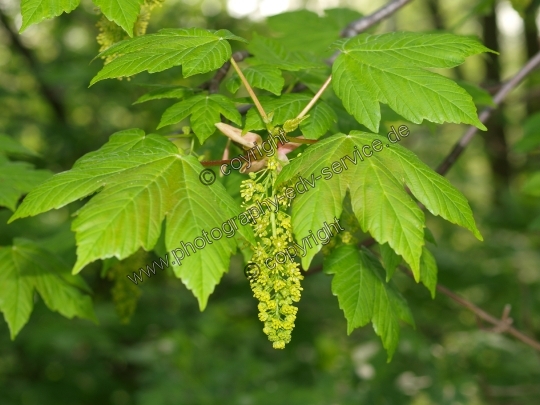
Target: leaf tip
203,301
415,268
390,351
78,267
15,216
478,235
481,126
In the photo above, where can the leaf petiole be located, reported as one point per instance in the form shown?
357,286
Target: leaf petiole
315,98
250,91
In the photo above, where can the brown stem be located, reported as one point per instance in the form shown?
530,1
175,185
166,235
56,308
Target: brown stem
250,91
315,98
209,163
501,325
362,24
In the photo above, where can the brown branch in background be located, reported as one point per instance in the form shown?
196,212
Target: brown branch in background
460,146
48,92
364,23
212,85
502,325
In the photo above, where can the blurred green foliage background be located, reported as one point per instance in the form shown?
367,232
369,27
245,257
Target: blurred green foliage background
172,354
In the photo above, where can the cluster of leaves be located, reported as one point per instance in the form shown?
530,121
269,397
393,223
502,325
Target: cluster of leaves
122,12
25,266
140,181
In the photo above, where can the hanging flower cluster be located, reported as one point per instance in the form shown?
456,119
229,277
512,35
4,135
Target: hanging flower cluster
277,288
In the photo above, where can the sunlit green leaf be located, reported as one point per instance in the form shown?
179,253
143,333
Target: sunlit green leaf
391,69
364,296
270,52
265,77
140,181
428,271
304,30
34,11
376,186
480,96
320,120
122,12
197,50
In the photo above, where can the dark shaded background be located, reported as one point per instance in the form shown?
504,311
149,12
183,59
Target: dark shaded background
170,353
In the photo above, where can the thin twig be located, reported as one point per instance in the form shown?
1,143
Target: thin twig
505,321
460,146
297,139
250,91
501,325
315,97
362,24
210,163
